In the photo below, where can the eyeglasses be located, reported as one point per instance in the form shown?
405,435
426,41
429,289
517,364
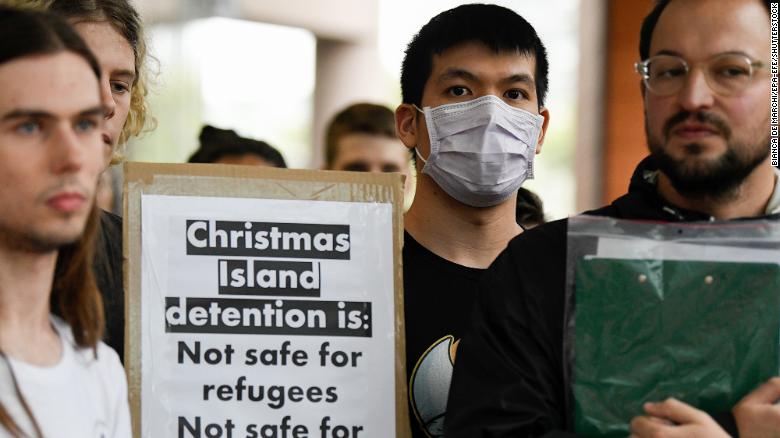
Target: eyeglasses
726,74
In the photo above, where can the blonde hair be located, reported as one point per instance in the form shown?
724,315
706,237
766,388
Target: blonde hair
123,17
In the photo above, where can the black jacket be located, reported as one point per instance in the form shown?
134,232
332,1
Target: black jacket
107,268
510,377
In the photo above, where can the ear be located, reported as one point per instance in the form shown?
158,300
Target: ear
108,155
405,124
544,112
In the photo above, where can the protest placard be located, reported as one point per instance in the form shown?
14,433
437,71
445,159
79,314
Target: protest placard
264,302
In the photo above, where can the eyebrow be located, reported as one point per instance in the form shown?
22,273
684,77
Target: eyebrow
39,114
520,77
668,52
459,73
129,74
728,52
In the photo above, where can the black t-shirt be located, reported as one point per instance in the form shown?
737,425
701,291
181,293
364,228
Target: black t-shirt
107,268
438,297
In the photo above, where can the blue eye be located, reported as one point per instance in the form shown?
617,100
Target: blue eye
28,128
85,125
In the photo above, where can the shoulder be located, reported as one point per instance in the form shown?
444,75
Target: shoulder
413,248
113,381
105,362
541,243
107,371
108,360
110,224
107,365
529,274
110,219
109,245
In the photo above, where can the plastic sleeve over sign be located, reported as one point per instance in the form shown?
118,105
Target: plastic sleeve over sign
668,310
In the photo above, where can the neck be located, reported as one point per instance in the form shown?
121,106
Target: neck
25,287
749,199
468,236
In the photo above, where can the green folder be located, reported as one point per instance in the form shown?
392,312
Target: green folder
706,333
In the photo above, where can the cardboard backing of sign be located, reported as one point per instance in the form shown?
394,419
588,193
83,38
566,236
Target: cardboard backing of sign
227,181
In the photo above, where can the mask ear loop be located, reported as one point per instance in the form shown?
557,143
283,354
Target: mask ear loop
417,152
537,133
416,149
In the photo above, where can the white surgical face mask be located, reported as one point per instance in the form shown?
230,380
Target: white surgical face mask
481,150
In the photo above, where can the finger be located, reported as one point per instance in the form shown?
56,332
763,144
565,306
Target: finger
767,393
661,420
648,426
676,411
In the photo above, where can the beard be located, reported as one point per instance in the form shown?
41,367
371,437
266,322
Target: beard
35,242
718,178
35,236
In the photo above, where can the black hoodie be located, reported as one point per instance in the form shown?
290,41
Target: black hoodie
511,378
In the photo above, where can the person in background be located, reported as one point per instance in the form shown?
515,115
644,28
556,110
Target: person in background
474,81
361,138
530,209
707,107
224,146
114,33
105,191
57,379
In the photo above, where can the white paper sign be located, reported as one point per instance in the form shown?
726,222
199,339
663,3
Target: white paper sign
267,318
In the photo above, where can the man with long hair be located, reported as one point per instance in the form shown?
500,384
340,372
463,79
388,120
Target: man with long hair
58,378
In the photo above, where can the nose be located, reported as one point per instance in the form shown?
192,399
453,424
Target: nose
67,151
696,93
107,98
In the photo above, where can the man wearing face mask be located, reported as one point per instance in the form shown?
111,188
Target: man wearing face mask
473,80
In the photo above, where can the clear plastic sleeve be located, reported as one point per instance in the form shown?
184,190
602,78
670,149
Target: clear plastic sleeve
658,310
